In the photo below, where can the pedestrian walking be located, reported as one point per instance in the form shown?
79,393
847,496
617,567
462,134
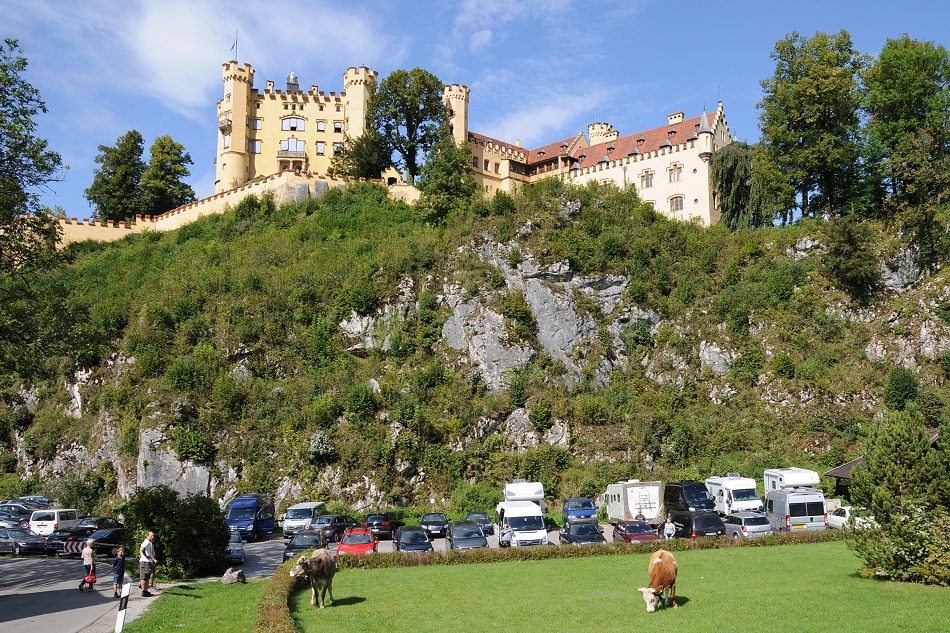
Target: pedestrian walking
147,562
669,529
118,571
89,564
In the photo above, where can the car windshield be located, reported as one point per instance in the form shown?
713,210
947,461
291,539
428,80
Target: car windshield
637,528
580,504
477,516
696,495
357,539
748,494
413,537
526,523
467,531
299,513
304,540
586,529
240,514
433,518
321,521
20,533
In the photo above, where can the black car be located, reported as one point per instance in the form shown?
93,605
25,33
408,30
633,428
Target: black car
383,524
412,538
14,520
19,541
332,526
483,520
581,534
303,542
702,523
234,552
107,541
99,523
465,535
435,524
56,541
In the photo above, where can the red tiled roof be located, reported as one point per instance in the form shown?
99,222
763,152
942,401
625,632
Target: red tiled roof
553,150
486,140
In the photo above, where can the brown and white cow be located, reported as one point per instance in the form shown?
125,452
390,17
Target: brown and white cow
319,568
662,580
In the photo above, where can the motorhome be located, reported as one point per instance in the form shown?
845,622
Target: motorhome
626,500
298,516
733,493
778,478
793,509
251,515
526,521
520,490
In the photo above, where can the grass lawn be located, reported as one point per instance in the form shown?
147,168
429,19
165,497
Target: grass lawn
204,607
813,587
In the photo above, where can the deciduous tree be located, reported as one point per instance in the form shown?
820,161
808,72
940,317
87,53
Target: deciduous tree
447,179
162,185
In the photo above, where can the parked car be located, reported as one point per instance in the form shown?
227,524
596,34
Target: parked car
100,523
434,523
17,509
19,541
332,526
302,542
383,524
483,520
39,500
841,519
581,510
581,534
701,523
56,540
107,541
747,524
234,552
45,521
412,538
634,532
357,541
8,520
465,535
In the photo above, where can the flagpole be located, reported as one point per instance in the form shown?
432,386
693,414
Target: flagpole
234,46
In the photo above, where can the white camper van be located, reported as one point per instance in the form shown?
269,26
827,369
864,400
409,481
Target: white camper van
626,499
778,478
532,491
298,516
791,509
734,494
526,521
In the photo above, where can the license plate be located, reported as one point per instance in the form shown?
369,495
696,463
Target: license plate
798,527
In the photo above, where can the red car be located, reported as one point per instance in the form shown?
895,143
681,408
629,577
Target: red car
634,532
357,542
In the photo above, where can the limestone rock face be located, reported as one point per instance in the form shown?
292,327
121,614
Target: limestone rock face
158,465
903,271
712,356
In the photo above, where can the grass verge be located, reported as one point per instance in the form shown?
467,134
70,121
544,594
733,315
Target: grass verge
204,607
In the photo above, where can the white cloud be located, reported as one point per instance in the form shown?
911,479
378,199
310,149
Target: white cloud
480,40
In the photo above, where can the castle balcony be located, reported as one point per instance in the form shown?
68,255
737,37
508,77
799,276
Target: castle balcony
286,153
224,124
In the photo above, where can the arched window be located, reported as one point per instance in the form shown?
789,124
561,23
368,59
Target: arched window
676,204
293,124
646,180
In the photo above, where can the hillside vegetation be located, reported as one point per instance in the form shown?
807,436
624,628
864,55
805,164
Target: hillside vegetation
224,338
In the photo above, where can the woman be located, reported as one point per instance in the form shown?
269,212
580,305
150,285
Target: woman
669,529
506,535
89,563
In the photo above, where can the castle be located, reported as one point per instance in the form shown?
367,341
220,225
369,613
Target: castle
283,140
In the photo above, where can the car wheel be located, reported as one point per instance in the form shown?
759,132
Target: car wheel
336,537
735,535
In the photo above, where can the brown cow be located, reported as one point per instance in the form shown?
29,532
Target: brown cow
319,568
662,580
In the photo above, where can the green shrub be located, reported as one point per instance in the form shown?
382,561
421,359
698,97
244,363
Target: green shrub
901,388
783,365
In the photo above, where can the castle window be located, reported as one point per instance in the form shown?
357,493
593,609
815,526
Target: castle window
486,165
321,148
337,148
646,180
676,172
258,124
337,126
292,124
226,141
676,204
321,126
338,108
254,146
475,162
497,168
293,145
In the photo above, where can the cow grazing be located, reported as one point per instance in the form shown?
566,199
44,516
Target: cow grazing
319,568
662,580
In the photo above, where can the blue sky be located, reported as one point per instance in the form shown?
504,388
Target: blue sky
539,70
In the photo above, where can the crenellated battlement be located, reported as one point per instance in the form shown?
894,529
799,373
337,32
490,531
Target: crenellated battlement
232,71
361,76
456,91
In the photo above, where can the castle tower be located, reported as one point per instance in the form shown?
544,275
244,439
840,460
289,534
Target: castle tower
601,133
231,157
358,83
455,98
705,138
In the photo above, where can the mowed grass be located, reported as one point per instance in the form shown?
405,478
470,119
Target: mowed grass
813,587
205,607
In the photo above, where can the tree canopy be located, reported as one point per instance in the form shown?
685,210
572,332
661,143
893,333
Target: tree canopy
115,187
162,184
447,179
409,113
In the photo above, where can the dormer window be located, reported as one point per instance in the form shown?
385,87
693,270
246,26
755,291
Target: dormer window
611,147
582,155
672,132
541,152
640,140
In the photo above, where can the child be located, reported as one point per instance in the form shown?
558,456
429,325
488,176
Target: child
118,571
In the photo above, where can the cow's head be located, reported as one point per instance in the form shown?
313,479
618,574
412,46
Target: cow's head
650,597
302,568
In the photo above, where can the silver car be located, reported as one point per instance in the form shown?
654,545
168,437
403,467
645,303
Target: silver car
747,524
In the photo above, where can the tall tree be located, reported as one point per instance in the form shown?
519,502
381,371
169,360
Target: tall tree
115,188
447,179
162,186
365,156
732,180
810,119
410,114
28,234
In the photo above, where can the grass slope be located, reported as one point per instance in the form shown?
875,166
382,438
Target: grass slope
811,587
207,607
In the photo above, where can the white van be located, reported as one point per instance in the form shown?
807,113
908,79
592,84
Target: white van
791,509
525,519
298,516
45,522
778,478
734,494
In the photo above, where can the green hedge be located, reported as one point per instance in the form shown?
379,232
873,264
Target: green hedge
273,613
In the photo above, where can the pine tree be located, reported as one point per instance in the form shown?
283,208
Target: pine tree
115,188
